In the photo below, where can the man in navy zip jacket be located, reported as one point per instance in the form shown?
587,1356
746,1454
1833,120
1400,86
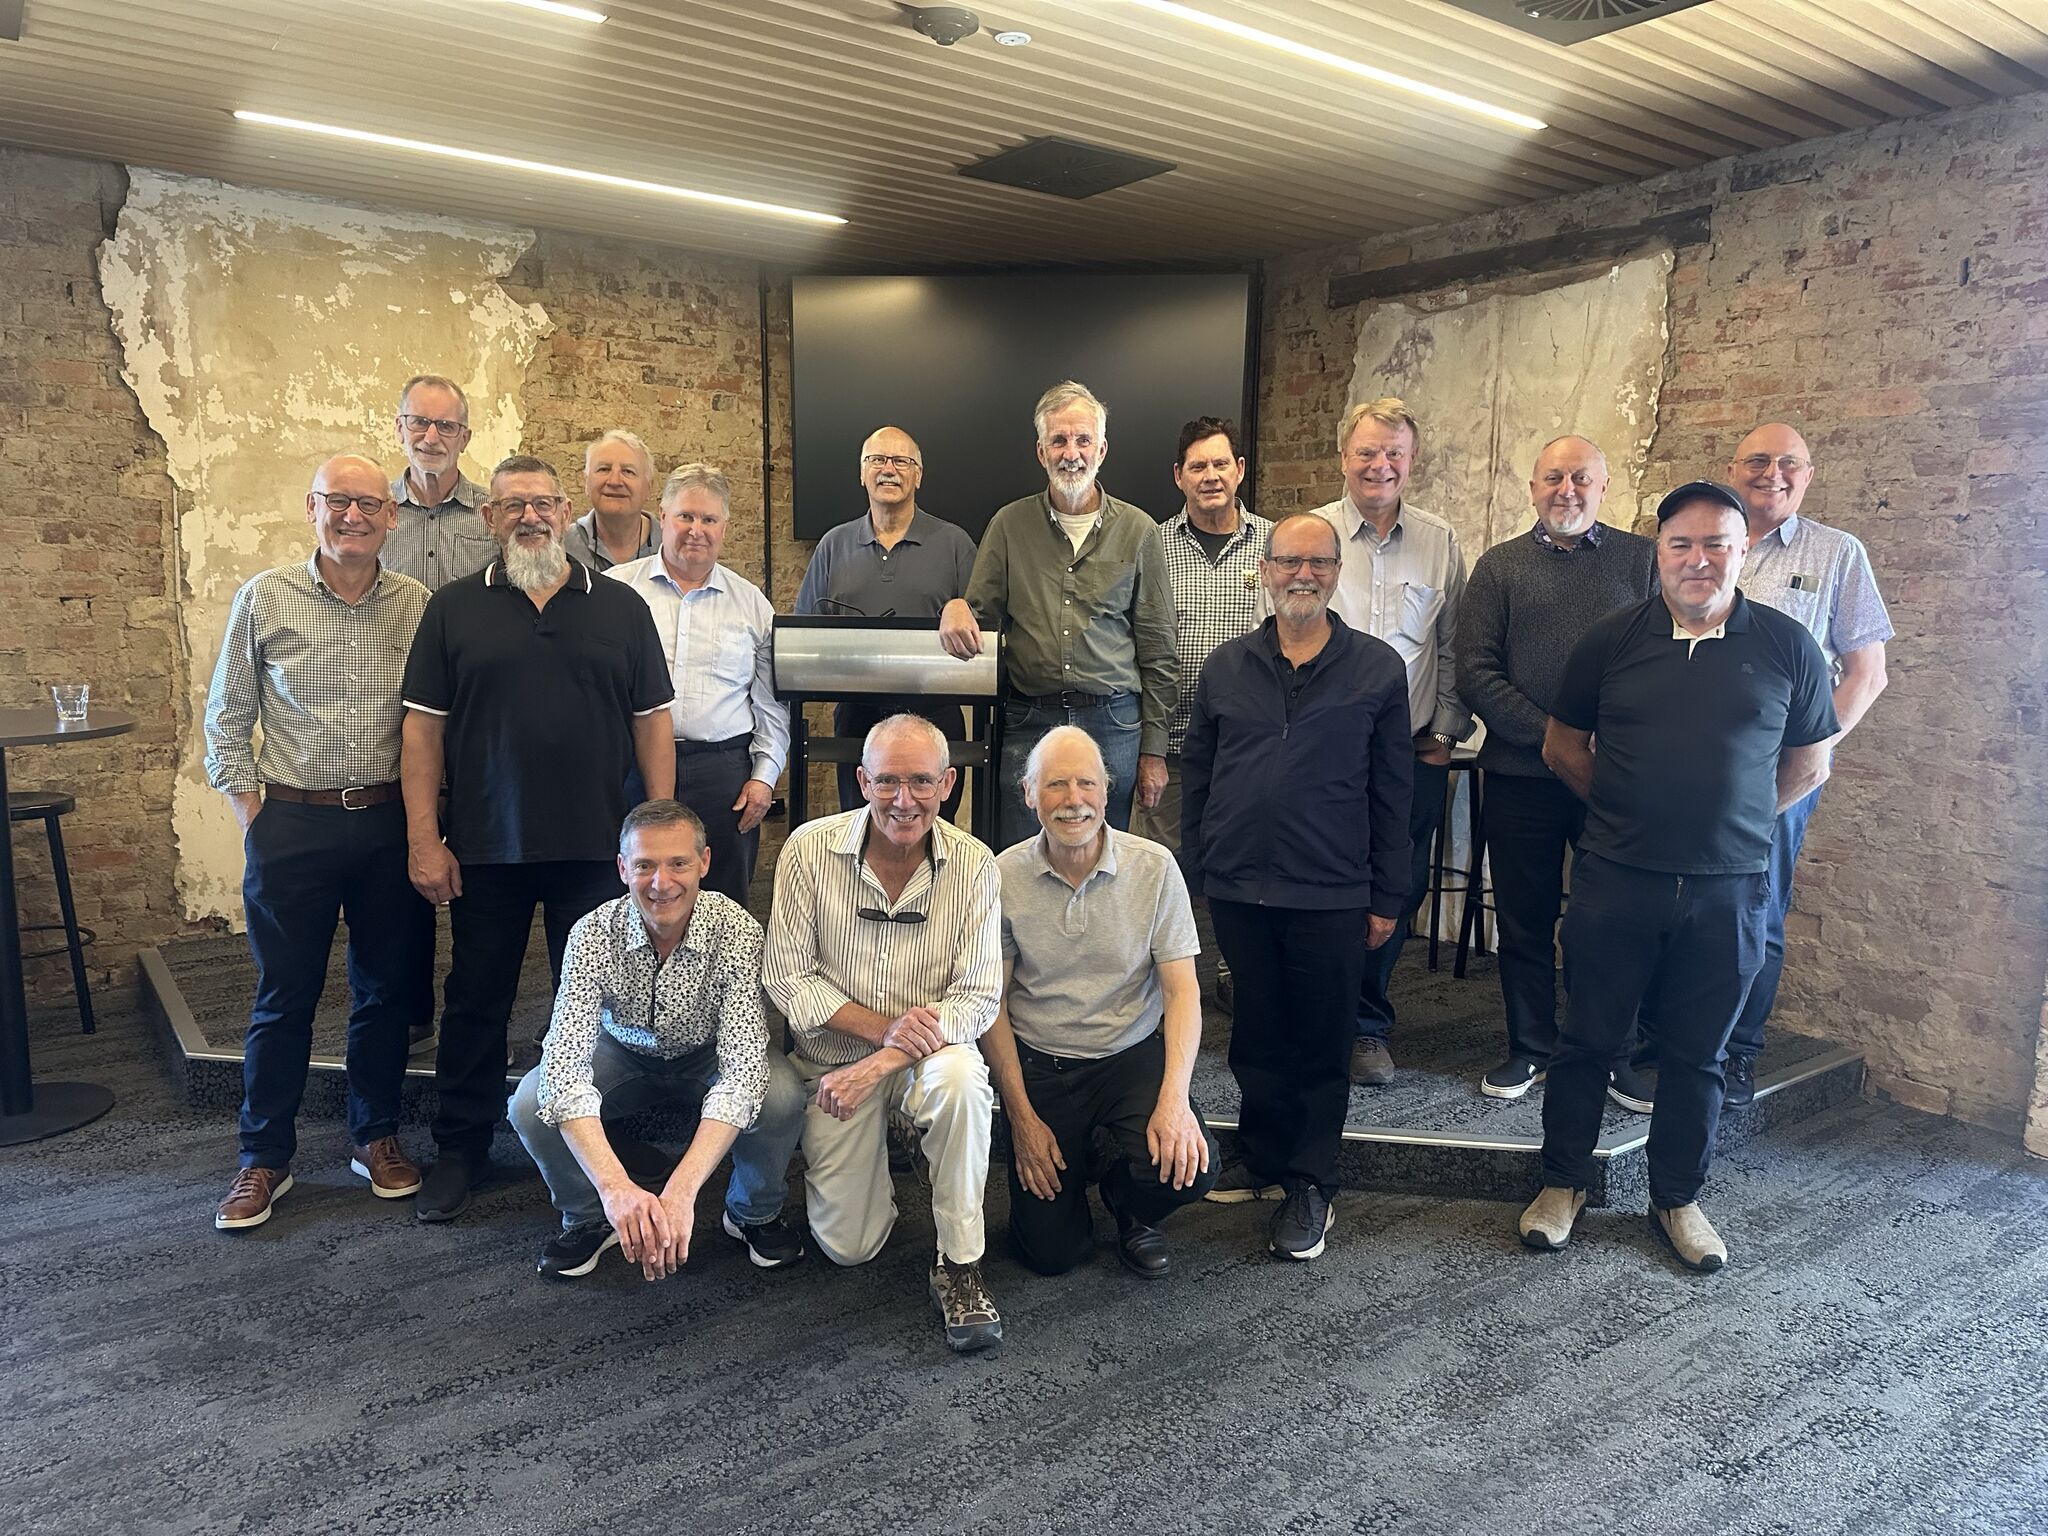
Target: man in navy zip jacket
1296,780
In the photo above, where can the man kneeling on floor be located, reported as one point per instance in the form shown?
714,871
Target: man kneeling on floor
1100,1021
660,1008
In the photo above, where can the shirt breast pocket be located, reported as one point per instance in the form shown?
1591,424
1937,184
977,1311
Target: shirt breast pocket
1115,596
732,660
1420,606
1803,605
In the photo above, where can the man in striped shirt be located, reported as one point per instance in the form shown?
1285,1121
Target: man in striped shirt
313,655
885,954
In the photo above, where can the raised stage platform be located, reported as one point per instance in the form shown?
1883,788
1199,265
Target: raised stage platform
1428,1132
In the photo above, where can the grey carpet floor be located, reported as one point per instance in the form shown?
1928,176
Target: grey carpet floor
1873,1361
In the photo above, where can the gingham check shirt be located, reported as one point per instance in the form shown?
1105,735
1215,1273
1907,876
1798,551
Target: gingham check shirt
320,676
1211,603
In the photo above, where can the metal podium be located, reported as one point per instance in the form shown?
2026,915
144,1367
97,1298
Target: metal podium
826,659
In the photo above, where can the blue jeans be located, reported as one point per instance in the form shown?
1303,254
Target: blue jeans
1748,1039
630,1081
307,865
1114,725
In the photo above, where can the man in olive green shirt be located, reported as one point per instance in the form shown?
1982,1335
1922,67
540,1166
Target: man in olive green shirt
1077,582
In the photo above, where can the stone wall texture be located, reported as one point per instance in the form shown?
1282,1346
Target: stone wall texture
1887,293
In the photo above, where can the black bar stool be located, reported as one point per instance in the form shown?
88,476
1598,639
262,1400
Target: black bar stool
47,806
1469,882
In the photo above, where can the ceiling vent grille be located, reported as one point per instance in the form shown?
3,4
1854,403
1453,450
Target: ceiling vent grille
1572,21
1065,168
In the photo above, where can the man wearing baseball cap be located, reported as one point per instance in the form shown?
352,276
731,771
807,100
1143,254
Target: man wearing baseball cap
1711,714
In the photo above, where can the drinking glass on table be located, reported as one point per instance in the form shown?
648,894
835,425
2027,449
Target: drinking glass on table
71,700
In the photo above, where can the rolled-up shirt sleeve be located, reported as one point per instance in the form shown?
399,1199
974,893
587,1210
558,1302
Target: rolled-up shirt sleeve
231,702
969,1004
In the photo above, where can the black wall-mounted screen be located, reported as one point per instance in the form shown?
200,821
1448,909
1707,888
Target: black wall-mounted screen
958,363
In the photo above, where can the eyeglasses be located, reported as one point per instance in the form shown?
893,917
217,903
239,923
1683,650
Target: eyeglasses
517,505
1787,463
417,425
369,506
888,460
877,915
1322,565
922,786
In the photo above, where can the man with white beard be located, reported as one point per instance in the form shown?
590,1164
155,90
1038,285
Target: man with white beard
533,687
1076,580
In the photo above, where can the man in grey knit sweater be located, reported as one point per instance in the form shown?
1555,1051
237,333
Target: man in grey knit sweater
1529,602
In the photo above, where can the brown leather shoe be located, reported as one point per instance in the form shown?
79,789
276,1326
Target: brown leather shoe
383,1162
250,1198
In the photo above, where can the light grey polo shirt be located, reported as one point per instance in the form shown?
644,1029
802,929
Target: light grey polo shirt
1084,979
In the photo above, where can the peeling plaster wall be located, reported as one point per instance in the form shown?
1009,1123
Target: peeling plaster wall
1493,375
261,332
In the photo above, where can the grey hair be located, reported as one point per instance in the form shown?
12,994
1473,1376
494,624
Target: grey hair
660,813
438,381
1063,396
935,737
621,435
692,476
1059,733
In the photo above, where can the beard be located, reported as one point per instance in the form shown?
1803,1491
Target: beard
1299,607
533,569
1073,484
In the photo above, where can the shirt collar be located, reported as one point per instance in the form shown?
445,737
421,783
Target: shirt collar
1182,523
1105,863
1737,622
854,841
1590,538
494,575
467,492
657,570
1357,526
1784,531
320,582
913,531
635,925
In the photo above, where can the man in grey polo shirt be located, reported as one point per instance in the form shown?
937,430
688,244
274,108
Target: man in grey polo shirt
1820,576
618,477
1076,580
441,534
1100,1021
894,561
1402,581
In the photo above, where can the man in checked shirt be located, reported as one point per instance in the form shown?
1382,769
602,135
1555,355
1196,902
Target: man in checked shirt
313,655
885,953
660,1006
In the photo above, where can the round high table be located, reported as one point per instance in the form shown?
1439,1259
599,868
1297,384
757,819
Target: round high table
30,1110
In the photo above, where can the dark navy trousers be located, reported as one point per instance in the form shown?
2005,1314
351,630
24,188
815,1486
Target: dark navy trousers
305,866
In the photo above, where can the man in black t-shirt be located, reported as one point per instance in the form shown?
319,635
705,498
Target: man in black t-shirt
533,686
1710,715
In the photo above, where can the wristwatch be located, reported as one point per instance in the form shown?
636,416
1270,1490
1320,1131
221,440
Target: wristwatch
1448,741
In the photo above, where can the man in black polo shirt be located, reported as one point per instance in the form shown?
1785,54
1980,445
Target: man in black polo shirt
1294,823
533,687
1710,715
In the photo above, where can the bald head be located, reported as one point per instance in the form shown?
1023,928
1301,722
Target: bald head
891,470
351,510
1567,486
1771,470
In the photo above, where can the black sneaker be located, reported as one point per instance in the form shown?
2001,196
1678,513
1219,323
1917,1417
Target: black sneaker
1739,1083
1237,1184
423,1040
573,1253
444,1193
1632,1087
1512,1078
1301,1224
770,1244
972,1321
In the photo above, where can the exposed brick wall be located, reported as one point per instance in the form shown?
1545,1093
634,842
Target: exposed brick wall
1887,292
86,512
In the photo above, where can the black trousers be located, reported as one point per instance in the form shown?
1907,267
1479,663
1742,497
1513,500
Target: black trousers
1297,976
488,924
306,865
708,782
1425,815
1531,824
1680,949
857,719
1074,1098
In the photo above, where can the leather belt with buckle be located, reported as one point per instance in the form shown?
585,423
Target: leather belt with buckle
359,797
1072,698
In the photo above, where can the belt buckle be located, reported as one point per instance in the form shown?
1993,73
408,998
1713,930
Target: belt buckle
355,790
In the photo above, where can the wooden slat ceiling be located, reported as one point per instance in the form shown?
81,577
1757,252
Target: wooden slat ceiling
837,106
